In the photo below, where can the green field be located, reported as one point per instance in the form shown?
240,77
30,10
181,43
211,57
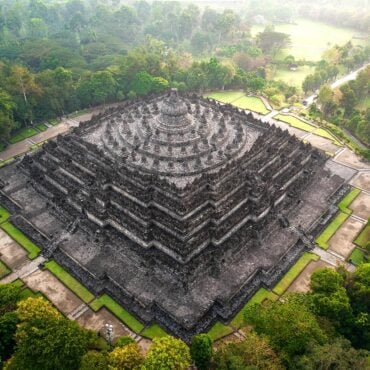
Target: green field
363,238
69,281
323,239
4,270
293,273
32,249
41,127
226,96
310,39
219,331
118,311
4,214
348,199
357,257
154,331
302,125
240,100
23,134
293,78
251,103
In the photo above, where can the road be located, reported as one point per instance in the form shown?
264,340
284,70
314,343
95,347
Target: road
351,76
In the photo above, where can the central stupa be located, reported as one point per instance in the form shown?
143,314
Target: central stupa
177,206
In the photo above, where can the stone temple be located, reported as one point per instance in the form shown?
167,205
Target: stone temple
178,207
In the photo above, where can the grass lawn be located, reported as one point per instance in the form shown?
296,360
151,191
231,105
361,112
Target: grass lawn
310,39
117,310
54,122
302,125
294,78
348,199
4,270
226,96
363,238
251,103
357,257
18,283
41,127
323,238
154,331
29,293
3,163
69,281
32,249
219,331
295,122
294,271
258,297
24,133
4,214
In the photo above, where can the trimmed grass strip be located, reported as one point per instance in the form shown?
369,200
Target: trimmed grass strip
41,127
347,200
219,331
363,238
118,311
293,273
69,281
302,125
18,283
24,133
251,103
4,270
154,331
29,293
32,249
323,239
226,96
357,257
4,214
261,295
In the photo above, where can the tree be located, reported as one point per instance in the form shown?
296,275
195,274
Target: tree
326,280
9,296
47,340
254,352
339,355
142,83
272,42
94,360
168,353
348,99
201,351
126,358
326,100
289,325
8,326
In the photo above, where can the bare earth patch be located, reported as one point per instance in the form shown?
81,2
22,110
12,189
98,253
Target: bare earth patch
96,321
54,290
10,252
321,143
351,159
341,241
302,283
361,206
144,345
362,181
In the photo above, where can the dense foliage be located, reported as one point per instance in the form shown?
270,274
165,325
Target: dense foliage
326,328
348,106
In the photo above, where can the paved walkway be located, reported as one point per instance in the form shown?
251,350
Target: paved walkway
333,258
23,271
